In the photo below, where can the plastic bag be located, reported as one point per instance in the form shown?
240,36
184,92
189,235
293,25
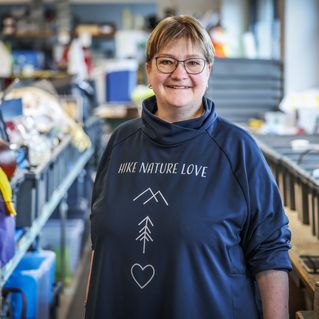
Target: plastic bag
7,232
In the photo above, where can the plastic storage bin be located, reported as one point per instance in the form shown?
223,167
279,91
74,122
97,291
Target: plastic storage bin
35,277
31,195
121,78
50,238
120,85
50,256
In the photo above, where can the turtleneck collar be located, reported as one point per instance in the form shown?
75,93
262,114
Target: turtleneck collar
178,132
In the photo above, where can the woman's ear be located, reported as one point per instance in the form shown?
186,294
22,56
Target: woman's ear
209,70
148,70
147,67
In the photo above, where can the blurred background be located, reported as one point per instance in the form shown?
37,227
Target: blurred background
265,29
72,70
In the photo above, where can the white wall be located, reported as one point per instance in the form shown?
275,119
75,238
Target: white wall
233,14
192,7
301,45
264,30
234,20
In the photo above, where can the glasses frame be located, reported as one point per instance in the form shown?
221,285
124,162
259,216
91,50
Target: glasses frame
178,62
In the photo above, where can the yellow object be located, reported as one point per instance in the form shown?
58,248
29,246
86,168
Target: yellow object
6,192
255,123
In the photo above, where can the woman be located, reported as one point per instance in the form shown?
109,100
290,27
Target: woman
186,215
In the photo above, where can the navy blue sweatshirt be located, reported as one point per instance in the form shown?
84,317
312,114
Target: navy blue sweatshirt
184,215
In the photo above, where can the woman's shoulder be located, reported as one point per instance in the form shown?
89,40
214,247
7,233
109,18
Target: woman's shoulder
125,130
227,131
235,142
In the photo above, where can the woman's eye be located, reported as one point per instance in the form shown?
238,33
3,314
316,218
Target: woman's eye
193,62
166,61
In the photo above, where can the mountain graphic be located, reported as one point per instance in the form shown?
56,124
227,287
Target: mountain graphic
149,195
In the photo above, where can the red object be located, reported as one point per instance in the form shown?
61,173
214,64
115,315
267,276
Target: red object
64,58
88,59
8,161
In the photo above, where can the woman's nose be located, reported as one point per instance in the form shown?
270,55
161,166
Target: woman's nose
180,70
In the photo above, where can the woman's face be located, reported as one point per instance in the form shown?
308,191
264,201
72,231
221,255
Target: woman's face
179,89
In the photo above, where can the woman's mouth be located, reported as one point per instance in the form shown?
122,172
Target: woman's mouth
178,87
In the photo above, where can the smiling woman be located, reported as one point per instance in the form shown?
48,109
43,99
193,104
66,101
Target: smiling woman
178,69
186,215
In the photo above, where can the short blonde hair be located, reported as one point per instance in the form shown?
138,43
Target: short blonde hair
177,27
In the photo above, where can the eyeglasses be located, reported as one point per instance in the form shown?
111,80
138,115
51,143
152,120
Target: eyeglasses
168,65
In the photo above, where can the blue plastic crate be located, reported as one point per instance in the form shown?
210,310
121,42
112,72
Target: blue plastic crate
119,86
34,275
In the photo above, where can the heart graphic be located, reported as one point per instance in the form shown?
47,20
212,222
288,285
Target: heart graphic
142,275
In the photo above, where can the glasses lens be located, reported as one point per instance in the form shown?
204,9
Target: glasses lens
166,65
169,65
194,65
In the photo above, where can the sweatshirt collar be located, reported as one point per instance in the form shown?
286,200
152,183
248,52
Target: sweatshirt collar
178,132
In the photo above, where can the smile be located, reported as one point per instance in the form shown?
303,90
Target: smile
178,87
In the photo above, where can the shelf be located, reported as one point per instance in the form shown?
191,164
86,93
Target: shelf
48,35
103,36
27,35
26,241
40,74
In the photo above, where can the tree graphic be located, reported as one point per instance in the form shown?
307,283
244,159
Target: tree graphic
145,233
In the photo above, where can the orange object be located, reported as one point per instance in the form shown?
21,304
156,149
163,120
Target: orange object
218,37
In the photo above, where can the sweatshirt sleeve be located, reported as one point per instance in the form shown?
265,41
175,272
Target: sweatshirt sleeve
265,235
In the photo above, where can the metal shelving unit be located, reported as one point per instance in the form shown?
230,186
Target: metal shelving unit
57,198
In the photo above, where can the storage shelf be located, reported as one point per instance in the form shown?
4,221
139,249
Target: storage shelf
26,241
28,35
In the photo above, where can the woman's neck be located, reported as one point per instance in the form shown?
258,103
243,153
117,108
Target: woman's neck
172,115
